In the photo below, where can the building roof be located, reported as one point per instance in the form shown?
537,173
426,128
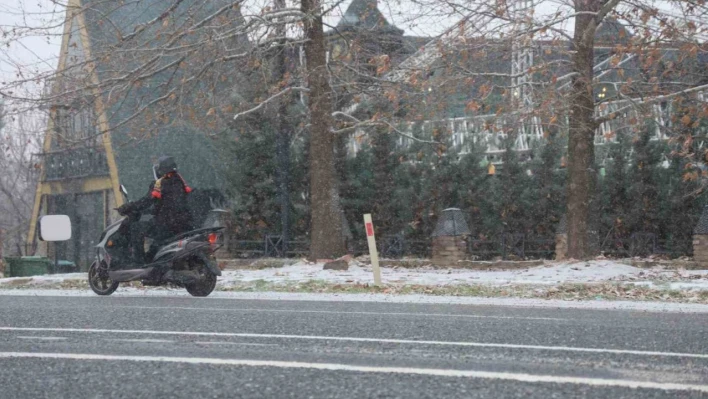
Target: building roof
365,14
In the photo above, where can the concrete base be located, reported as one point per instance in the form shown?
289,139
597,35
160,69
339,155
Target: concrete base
449,250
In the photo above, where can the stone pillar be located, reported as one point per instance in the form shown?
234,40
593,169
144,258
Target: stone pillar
700,241
562,239
448,250
450,238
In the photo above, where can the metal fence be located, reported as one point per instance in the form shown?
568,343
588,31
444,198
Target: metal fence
272,246
507,246
511,246
645,244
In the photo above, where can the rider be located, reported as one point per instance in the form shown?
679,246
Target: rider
168,199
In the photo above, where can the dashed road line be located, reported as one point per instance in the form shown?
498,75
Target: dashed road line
452,315
147,341
371,340
38,338
232,343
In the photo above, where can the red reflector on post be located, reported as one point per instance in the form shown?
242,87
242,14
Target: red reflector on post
370,229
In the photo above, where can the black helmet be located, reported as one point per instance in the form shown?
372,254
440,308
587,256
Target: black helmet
165,165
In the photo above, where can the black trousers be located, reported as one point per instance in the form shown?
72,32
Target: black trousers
139,230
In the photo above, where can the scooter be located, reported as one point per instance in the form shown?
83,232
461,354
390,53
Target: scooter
186,260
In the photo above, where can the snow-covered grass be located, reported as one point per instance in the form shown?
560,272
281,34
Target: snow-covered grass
597,279
551,273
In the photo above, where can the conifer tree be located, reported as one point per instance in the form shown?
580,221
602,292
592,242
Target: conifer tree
512,182
613,188
643,191
547,187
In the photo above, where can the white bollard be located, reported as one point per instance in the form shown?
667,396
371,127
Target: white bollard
371,239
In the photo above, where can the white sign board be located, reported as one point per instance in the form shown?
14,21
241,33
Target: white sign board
55,228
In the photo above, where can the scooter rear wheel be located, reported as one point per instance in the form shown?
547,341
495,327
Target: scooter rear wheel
99,281
207,280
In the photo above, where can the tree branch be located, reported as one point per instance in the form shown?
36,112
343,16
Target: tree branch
270,99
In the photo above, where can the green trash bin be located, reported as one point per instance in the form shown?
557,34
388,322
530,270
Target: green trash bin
27,266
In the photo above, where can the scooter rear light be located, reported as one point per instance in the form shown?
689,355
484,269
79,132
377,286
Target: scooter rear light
212,238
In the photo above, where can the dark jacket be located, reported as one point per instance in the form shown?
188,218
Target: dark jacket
168,199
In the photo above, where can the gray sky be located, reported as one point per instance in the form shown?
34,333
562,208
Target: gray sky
37,22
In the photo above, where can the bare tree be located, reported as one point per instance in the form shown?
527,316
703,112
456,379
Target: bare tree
326,235
20,138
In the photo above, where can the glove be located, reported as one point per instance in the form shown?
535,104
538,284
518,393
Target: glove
123,209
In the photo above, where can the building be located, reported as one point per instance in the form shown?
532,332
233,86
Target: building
100,133
469,89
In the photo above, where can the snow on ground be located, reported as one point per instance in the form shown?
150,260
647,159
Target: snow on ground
41,280
542,285
552,273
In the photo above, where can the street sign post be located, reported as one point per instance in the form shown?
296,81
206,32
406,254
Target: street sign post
371,239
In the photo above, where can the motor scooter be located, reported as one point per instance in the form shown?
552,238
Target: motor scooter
186,260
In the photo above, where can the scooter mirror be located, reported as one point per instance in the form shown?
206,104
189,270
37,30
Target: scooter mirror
55,228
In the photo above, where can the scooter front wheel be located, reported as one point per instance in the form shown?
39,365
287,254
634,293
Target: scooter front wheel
99,281
207,280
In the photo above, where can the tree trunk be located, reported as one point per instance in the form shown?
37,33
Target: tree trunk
282,156
383,176
283,133
2,243
581,145
327,240
283,165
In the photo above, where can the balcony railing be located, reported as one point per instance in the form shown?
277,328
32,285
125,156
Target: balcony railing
75,163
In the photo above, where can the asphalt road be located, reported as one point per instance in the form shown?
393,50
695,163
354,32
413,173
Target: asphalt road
154,347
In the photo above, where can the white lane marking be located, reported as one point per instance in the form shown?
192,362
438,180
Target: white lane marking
521,377
29,337
232,343
374,340
339,312
150,341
